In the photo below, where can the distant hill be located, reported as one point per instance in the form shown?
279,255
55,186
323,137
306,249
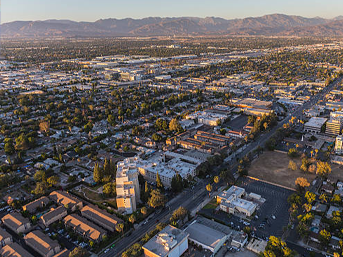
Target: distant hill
274,24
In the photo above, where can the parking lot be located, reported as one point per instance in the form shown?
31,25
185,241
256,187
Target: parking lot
273,213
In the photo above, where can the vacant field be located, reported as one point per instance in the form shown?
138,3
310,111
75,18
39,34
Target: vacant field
273,167
336,172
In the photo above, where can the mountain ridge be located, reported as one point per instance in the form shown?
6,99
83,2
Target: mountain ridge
267,25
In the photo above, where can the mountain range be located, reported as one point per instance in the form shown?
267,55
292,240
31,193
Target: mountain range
268,25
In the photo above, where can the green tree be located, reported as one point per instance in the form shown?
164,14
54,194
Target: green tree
158,181
174,125
177,183
53,180
157,199
78,252
109,189
97,173
40,188
40,176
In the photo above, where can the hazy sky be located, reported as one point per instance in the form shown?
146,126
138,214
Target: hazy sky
91,10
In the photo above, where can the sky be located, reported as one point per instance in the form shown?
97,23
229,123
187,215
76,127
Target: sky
92,10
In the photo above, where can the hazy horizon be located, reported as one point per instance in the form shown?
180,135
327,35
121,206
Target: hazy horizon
89,11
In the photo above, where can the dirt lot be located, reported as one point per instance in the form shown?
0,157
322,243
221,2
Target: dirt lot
273,167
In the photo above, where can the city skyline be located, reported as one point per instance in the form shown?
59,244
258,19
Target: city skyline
87,10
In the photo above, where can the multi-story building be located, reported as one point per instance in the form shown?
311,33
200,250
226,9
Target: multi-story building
231,201
14,250
39,203
5,238
314,125
84,227
170,242
54,215
333,127
127,185
100,217
339,145
16,222
42,243
66,200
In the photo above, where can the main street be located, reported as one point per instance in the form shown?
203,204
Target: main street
190,199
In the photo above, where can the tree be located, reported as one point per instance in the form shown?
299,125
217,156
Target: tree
44,126
158,181
78,252
109,189
276,247
179,214
302,182
310,197
39,176
9,146
177,183
40,188
292,165
111,120
304,164
292,152
324,237
157,199
107,168
97,173
120,228
323,169
209,189
144,211
132,218
53,180
156,137
216,179
174,125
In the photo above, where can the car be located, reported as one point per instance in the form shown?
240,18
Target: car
106,251
273,217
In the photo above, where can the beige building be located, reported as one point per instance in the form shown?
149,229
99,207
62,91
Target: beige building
14,250
65,199
127,185
39,203
5,238
16,222
84,227
100,217
54,215
42,243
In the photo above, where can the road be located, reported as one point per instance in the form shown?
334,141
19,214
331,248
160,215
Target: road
192,198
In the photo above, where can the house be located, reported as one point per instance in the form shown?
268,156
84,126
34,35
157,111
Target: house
65,199
42,243
14,250
5,238
257,245
16,222
54,215
239,240
100,217
170,241
39,203
84,227
327,188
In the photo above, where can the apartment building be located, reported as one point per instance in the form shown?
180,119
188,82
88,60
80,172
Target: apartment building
100,217
14,250
54,215
5,238
39,203
339,145
65,199
333,127
84,227
16,222
127,185
42,243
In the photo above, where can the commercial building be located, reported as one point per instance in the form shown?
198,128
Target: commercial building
208,117
257,245
333,127
16,222
127,185
100,217
314,125
54,215
14,250
231,201
66,200
208,234
5,238
170,242
39,203
339,145
84,227
42,243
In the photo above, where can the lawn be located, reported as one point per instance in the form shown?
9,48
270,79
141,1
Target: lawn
212,204
92,195
273,167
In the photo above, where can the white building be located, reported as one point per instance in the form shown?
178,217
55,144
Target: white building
170,242
127,185
314,125
231,201
339,145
